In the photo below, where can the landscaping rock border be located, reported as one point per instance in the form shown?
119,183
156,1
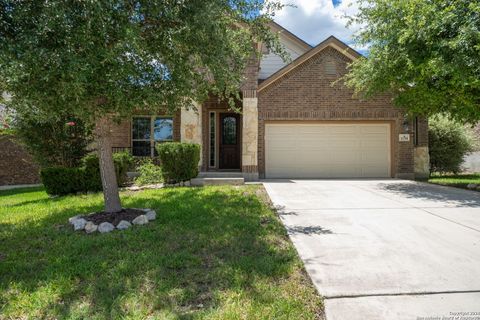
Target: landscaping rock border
179,184
81,222
145,187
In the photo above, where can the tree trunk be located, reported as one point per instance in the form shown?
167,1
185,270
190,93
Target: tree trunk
107,168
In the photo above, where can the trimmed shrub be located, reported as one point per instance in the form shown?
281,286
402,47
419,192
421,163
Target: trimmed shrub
150,173
179,161
61,181
449,142
91,170
122,161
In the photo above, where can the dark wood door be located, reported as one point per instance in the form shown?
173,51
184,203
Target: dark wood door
229,141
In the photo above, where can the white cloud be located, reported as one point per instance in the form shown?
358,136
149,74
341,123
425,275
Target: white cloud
316,20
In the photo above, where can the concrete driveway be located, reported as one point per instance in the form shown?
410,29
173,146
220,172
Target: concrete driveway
385,249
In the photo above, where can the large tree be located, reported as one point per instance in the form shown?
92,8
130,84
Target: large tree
425,52
98,59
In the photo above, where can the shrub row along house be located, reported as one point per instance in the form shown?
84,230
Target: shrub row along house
295,122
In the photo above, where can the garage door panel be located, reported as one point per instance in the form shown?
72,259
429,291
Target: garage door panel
379,160
373,142
284,129
346,156
341,129
373,129
327,150
375,171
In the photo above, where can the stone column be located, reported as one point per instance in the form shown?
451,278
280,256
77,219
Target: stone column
191,126
421,155
421,159
250,135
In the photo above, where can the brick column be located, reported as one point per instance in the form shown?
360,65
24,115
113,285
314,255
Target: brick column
191,126
405,152
250,135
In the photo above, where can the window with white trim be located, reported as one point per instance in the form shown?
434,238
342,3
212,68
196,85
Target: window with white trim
148,131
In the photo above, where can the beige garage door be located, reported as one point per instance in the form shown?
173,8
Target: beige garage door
312,150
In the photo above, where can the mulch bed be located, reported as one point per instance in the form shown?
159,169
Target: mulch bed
114,218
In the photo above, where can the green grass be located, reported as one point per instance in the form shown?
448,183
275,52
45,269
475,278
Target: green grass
459,181
212,253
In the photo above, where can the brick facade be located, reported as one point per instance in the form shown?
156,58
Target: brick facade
16,164
422,132
308,93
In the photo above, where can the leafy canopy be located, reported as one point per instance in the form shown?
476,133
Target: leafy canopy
425,52
94,57
60,141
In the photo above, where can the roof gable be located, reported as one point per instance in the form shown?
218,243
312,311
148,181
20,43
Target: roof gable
271,62
329,42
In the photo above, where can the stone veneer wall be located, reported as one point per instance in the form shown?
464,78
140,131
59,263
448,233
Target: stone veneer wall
16,164
250,121
421,155
307,93
191,126
250,136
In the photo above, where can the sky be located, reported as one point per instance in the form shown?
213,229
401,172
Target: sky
315,20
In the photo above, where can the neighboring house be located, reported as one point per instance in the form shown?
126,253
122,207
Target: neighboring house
16,164
294,123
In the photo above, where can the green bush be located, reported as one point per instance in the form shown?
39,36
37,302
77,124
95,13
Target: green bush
91,170
122,161
61,181
449,142
179,161
150,173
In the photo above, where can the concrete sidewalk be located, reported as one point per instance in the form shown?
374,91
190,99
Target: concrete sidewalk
385,249
18,186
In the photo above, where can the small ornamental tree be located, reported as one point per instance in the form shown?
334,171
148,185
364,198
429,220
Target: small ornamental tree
102,59
426,53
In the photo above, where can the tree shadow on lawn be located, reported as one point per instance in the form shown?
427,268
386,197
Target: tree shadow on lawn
10,195
205,242
18,191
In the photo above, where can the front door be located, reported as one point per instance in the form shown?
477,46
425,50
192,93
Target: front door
229,141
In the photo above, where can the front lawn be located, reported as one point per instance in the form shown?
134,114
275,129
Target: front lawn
459,181
212,253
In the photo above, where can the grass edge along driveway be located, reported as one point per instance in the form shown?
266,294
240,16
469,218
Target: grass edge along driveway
456,180
212,253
